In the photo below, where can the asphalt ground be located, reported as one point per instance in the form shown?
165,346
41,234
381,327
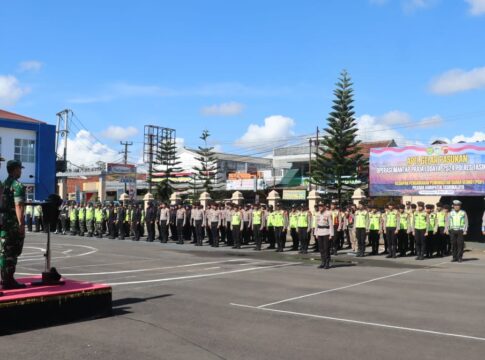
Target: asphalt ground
183,302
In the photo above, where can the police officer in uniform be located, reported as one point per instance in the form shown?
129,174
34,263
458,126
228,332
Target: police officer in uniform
29,210
99,219
236,226
361,220
390,222
151,215
82,219
256,224
374,229
13,229
164,223
198,222
304,226
280,222
120,219
90,219
420,225
457,228
324,231
293,219
404,229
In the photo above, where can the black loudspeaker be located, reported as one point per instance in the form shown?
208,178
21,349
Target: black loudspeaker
50,209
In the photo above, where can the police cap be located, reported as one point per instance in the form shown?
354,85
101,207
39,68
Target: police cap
456,202
420,204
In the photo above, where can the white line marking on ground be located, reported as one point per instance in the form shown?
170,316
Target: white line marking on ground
386,326
335,289
149,269
347,286
66,252
202,275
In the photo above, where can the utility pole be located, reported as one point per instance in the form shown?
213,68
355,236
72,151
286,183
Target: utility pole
310,165
125,154
62,132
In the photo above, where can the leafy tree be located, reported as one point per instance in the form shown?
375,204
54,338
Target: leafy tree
206,173
167,163
339,158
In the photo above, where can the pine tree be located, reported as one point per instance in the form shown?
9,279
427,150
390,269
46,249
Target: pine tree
167,162
206,172
339,157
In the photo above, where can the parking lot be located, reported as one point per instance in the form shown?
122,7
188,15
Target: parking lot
182,302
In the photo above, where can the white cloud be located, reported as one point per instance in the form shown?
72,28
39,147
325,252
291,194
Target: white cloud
276,129
386,126
477,136
413,5
224,109
477,7
124,90
30,65
10,90
458,80
430,121
120,133
84,149
370,128
395,117
378,2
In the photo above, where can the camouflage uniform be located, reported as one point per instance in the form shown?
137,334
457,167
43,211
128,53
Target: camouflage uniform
11,241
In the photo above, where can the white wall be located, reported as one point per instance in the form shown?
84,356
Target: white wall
7,151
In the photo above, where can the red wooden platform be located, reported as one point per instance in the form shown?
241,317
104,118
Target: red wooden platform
37,306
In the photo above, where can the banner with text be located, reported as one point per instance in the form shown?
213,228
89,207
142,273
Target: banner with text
446,170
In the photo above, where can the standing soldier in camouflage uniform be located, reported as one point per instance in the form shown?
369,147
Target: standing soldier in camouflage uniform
13,233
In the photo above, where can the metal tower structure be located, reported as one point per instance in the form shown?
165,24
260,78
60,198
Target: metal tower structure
154,136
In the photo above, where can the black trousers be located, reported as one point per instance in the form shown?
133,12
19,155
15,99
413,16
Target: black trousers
121,230
324,244
442,242
257,236
163,235
271,237
180,231
246,233
457,244
236,236
360,234
402,241
336,239
111,229
223,232
159,227
215,234
374,241
430,244
29,222
151,230
412,243
391,240
420,237
230,240
278,230
199,237
294,238
303,235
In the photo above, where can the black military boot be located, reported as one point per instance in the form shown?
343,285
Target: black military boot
8,281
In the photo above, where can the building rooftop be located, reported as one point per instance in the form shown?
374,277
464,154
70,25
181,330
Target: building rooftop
7,115
239,158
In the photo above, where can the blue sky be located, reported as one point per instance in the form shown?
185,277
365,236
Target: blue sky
255,73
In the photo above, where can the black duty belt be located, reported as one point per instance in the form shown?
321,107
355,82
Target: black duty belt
323,227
